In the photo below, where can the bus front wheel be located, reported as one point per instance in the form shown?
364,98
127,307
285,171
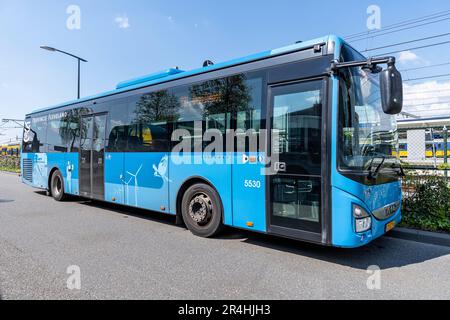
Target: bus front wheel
57,186
202,210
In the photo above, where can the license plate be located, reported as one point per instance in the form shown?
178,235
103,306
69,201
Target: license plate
390,226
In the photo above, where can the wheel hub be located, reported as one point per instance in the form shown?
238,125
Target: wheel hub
200,208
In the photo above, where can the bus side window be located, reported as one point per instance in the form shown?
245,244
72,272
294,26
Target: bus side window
57,134
117,141
219,104
155,137
134,139
117,128
248,115
36,139
148,138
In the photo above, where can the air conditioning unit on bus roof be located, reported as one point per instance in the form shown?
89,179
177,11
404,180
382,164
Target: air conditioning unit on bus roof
148,78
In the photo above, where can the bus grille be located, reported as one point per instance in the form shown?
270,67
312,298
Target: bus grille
28,170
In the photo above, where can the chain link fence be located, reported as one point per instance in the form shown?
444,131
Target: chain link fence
424,148
424,153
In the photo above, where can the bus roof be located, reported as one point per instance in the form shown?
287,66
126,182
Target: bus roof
173,74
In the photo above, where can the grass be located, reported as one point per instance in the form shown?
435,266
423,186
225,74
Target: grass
10,169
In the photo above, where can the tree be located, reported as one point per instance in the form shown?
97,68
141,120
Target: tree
71,129
228,95
157,107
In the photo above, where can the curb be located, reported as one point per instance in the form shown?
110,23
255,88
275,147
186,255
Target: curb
440,239
10,172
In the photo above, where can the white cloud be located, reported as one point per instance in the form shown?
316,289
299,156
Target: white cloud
427,99
122,22
408,56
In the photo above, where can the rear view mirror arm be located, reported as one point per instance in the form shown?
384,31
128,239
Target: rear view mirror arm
371,63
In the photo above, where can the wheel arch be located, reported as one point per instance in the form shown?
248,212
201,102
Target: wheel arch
49,178
189,182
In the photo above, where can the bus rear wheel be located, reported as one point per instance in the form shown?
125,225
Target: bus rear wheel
57,186
202,210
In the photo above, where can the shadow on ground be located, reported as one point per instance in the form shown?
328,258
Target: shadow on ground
385,252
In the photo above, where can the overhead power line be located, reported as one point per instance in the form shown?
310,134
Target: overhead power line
414,48
10,128
426,67
401,24
424,112
428,104
427,98
402,29
439,113
425,101
426,91
429,77
407,42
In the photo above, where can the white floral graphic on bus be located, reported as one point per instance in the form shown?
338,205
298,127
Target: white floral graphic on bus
162,168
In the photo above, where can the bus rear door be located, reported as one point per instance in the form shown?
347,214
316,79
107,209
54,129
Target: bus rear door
92,156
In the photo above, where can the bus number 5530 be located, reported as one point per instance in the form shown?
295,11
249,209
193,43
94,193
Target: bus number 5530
252,184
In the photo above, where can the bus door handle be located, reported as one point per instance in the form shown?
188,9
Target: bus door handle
280,167
291,189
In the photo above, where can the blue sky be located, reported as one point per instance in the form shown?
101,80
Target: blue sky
125,39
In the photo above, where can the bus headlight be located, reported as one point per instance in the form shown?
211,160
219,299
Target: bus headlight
363,221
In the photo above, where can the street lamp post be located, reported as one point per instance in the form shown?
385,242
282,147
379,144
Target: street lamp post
51,49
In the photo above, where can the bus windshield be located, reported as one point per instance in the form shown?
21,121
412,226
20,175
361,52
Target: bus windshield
368,136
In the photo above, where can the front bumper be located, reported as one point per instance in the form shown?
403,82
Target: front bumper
343,222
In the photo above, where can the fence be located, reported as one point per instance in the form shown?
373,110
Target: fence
426,147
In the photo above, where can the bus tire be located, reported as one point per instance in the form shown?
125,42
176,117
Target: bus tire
57,186
202,210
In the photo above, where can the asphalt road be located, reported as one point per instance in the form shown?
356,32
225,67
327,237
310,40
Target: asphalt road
128,254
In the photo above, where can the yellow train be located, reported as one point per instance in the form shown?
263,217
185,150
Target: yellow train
12,150
430,152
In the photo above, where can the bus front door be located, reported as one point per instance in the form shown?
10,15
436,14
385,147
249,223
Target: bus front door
295,183
92,156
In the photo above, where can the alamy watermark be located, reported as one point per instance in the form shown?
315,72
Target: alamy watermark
73,22
214,147
374,19
374,280
74,280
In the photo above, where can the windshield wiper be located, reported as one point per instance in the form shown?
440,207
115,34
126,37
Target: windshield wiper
400,172
374,174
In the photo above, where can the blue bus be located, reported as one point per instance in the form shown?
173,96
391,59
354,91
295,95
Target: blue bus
303,137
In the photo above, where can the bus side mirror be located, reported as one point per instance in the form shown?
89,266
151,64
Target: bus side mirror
391,86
